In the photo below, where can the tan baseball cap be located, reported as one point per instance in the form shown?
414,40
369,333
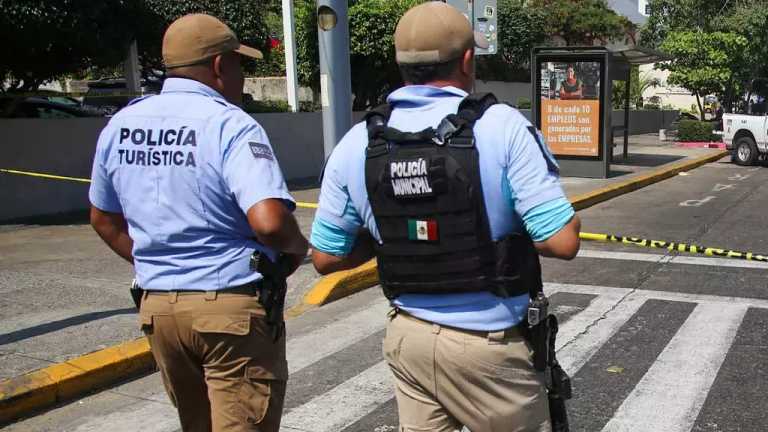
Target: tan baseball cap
195,38
434,32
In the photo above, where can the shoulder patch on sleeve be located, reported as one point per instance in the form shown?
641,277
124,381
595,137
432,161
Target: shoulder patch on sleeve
548,156
261,151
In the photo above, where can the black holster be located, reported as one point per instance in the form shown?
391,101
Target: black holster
272,289
136,294
542,332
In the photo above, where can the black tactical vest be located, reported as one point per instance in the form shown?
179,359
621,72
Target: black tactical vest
427,199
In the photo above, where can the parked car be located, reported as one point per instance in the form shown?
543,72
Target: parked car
746,137
111,94
44,107
745,134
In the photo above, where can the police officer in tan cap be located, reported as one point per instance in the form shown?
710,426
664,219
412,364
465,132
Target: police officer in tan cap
187,188
460,195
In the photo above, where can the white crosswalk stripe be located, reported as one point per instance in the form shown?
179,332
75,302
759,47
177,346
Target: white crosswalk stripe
580,337
652,406
342,406
707,335
305,350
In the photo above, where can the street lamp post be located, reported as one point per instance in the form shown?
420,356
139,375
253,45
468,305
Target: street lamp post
335,85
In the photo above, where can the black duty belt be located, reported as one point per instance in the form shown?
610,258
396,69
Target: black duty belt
251,288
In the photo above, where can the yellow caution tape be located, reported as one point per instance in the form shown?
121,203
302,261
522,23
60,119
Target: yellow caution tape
674,246
85,180
42,175
605,238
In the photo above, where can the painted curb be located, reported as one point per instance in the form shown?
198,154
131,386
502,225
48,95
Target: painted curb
589,199
341,284
45,387
61,382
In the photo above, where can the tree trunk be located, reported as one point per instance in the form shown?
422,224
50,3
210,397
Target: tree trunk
701,108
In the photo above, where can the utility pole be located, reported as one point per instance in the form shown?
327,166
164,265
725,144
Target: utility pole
131,70
289,42
335,83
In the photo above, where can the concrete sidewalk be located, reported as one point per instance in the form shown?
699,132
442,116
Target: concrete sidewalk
64,293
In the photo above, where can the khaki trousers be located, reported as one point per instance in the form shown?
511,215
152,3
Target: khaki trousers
446,378
220,366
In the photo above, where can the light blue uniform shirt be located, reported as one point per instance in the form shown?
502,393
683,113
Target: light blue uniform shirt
520,185
184,167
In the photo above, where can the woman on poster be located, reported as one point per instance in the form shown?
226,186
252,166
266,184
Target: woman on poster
571,87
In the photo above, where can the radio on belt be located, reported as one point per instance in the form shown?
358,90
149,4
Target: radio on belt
483,14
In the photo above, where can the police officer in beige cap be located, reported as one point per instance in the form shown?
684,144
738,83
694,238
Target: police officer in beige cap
187,188
457,251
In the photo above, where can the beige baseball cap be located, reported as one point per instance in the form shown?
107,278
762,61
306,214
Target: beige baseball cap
434,32
195,38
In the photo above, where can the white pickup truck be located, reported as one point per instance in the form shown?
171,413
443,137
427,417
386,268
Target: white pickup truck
746,136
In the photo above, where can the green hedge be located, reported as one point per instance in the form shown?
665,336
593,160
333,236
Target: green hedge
695,131
255,106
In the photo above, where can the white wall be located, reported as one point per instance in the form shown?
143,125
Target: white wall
509,92
678,98
641,4
273,89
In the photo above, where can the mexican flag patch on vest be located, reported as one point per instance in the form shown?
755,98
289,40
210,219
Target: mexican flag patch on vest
422,230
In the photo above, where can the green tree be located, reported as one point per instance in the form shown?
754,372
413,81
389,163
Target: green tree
640,83
525,24
372,48
703,62
522,25
45,39
748,18
372,54
750,21
581,22
679,15
245,17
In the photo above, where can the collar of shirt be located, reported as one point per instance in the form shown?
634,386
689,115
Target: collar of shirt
422,96
185,85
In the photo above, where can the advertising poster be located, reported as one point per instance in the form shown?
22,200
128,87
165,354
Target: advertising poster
570,107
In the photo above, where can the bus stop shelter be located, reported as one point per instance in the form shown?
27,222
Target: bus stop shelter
571,103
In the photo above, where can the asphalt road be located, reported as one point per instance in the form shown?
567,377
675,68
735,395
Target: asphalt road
64,293
654,341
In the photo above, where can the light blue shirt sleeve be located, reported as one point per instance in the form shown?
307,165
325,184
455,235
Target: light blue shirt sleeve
531,170
545,220
337,222
328,238
249,167
102,193
335,206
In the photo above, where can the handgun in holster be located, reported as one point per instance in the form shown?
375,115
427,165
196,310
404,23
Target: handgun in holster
272,289
541,332
136,294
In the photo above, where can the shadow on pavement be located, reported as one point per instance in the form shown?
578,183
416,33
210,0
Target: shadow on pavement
618,173
70,218
646,160
50,327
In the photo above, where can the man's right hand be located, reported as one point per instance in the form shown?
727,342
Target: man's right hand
276,227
